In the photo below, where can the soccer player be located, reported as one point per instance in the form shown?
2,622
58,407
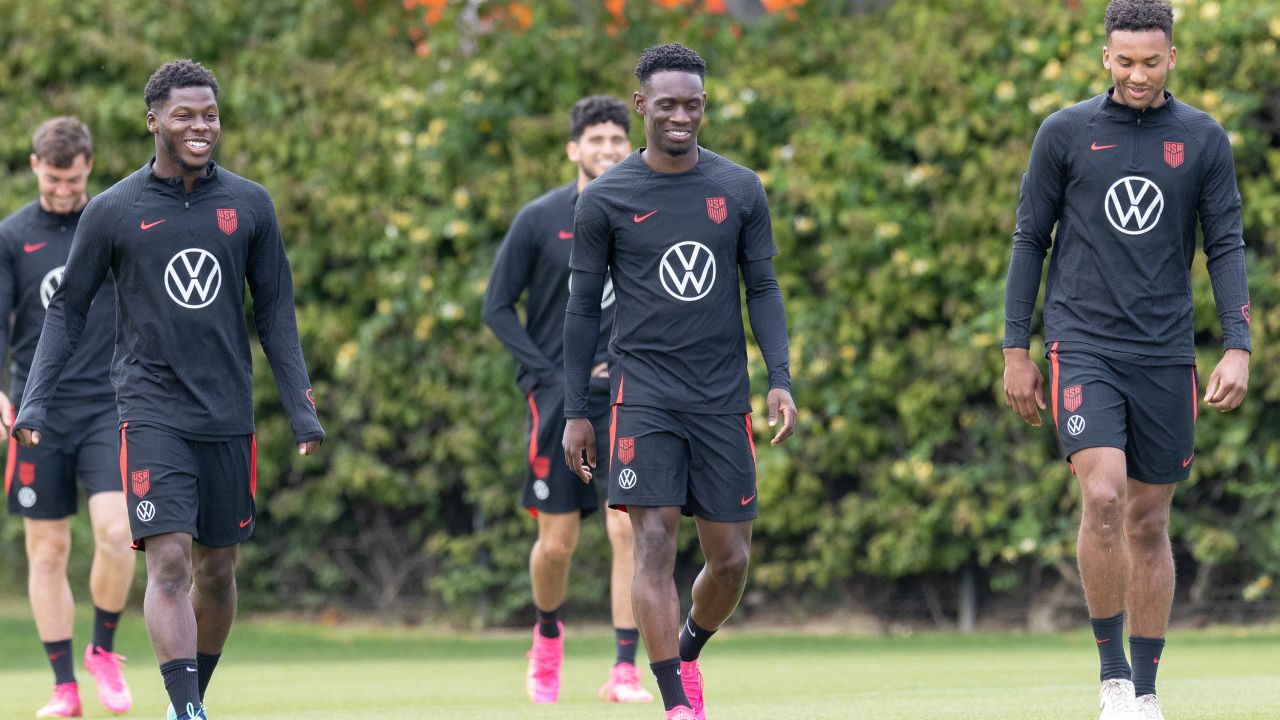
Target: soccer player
40,482
181,237
534,256
1124,176
673,224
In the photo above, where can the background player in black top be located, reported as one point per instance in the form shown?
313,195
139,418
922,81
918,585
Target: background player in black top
1125,176
534,257
41,482
673,224
182,236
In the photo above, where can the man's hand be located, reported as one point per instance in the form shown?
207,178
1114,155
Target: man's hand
6,412
1023,385
600,371
780,402
28,437
579,438
1229,381
310,447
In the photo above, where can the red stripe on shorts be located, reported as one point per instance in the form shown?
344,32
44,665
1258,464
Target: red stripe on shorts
124,460
253,465
1053,361
1195,398
533,434
751,438
13,453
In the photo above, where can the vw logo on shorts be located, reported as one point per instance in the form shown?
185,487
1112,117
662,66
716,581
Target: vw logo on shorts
687,271
26,497
1075,425
627,479
49,285
146,511
193,278
541,490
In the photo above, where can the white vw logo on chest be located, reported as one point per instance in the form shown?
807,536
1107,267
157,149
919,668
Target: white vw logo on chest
688,271
49,285
1133,205
193,278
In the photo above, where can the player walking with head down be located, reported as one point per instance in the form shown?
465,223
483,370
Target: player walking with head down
534,256
80,442
673,224
182,236
1124,177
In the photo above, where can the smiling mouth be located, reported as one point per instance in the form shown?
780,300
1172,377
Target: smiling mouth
679,135
197,145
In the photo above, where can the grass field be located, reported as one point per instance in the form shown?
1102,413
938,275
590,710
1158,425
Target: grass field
278,670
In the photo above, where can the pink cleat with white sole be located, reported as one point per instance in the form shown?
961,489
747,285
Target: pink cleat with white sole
64,703
113,691
624,685
542,681
681,712
691,678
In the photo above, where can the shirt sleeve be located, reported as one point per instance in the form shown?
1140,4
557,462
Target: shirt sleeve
1039,205
271,284
509,278
64,320
589,262
8,295
756,241
768,320
1223,232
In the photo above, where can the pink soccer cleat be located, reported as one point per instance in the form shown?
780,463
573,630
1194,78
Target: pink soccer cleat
691,678
64,703
542,682
113,691
624,685
680,712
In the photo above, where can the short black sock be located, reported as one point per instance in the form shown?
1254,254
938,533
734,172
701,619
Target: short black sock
692,638
104,629
182,684
204,670
59,654
548,622
1146,661
667,673
627,640
1109,634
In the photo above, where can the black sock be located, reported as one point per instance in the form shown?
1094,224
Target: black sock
59,654
104,629
1146,661
548,622
1109,634
204,670
627,641
667,673
180,681
692,638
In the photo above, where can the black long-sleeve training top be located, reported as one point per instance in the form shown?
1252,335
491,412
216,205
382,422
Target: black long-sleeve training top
1125,189
673,244
34,245
181,261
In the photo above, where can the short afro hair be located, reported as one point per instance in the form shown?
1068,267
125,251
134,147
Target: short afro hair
60,140
597,109
662,58
176,75
1139,15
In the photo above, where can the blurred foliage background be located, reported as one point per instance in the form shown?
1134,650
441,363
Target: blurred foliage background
400,138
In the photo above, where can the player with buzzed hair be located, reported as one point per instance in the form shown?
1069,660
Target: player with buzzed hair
533,260
182,237
1125,176
673,225
40,482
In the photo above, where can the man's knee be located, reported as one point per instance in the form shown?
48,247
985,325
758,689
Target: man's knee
216,573
654,548
114,540
168,569
557,551
557,538
618,526
1148,528
1102,501
48,551
730,564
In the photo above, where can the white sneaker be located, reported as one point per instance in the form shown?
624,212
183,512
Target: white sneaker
1149,708
1117,701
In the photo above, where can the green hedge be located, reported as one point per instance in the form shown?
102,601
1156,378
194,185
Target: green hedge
892,161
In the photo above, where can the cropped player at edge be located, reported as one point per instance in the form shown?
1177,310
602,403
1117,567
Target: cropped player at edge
81,442
534,256
181,237
673,224
1124,176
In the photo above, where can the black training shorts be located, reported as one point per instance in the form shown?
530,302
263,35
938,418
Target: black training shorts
550,486
79,442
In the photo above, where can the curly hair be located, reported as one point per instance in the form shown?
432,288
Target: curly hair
661,58
597,109
1138,15
60,140
176,75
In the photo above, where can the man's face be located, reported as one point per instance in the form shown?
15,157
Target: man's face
599,148
1139,61
672,104
187,127
62,189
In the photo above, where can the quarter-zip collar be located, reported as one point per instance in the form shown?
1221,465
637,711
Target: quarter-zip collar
1123,113
175,182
